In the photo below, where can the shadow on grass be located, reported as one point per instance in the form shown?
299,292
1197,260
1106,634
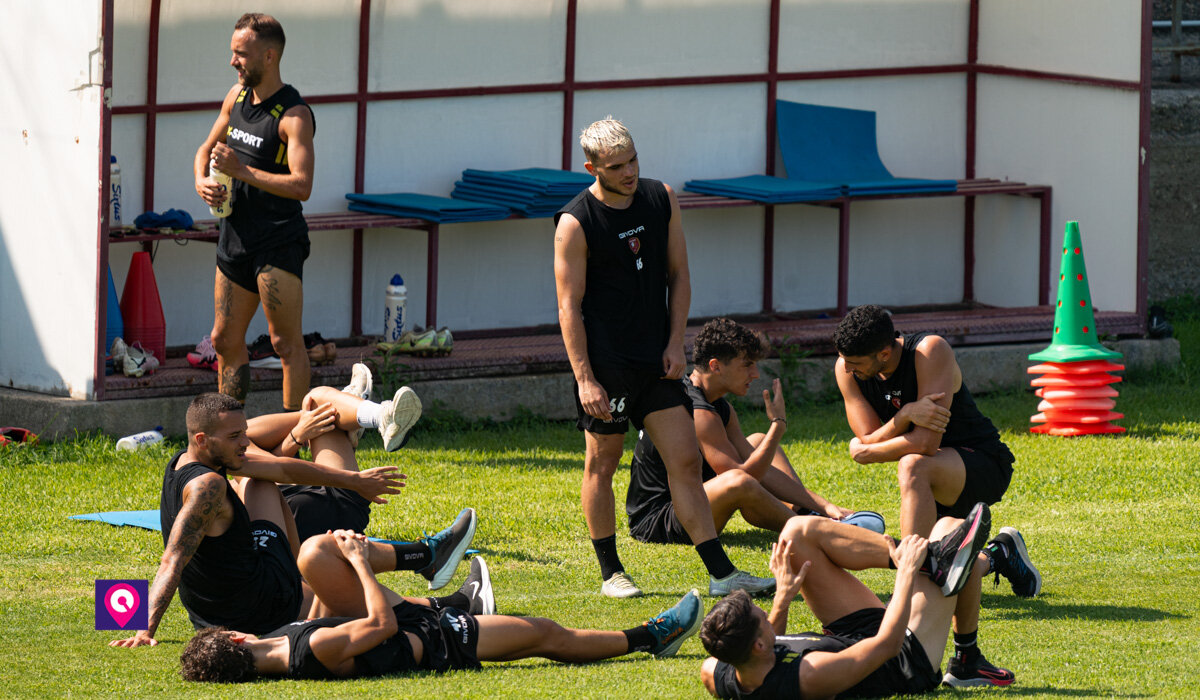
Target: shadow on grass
1044,608
515,555
1018,689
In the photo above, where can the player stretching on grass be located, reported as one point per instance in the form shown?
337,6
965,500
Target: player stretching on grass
382,633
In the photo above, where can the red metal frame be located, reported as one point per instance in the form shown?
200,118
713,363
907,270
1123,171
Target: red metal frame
569,85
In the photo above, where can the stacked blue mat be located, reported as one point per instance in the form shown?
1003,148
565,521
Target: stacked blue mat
533,192
829,152
441,210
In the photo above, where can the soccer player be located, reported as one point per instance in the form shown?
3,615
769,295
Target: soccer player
621,273
263,139
397,635
747,474
867,649
907,403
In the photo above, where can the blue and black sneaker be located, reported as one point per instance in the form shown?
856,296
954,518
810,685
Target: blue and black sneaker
671,627
1010,559
447,548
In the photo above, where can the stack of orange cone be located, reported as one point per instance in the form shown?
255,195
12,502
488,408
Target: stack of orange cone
1075,386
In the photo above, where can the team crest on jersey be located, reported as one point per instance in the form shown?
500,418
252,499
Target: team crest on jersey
893,397
635,244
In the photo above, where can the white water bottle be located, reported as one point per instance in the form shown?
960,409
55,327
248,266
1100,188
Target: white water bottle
395,304
114,192
226,183
140,440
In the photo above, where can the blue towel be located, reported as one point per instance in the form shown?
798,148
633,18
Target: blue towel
171,218
834,144
766,189
424,206
149,520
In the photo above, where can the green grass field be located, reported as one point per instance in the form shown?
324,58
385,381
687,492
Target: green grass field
1109,521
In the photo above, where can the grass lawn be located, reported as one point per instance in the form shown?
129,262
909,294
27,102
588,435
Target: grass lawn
1109,521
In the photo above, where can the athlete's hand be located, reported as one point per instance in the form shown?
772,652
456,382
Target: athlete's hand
775,406
315,419
225,159
925,413
837,512
375,482
594,400
212,193
352,544
674,362
142,638
909,554
787,579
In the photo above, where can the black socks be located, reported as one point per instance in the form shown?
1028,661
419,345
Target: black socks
412,556
606,553
640,638
715,559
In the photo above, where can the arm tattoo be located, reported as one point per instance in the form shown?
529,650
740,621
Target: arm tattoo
235,381
185,540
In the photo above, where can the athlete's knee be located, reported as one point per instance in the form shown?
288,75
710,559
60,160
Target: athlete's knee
912,471
225,340
319,395
287,345
315,553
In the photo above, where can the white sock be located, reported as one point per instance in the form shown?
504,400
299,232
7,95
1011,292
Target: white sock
368,414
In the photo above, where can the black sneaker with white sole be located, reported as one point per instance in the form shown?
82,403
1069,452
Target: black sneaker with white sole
1010,559
478,589
954,555
976,674
447,549
262,353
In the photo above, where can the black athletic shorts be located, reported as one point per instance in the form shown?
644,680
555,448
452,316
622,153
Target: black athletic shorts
909,672
243,270
277,597
989,470
633,394
318,509
660,527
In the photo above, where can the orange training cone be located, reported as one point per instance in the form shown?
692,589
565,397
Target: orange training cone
141,308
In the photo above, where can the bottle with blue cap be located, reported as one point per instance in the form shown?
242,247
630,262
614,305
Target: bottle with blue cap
395,304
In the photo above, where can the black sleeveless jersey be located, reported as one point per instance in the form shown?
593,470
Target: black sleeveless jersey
648,487
783,680
625,300
967,428
394,655
213,584
260,220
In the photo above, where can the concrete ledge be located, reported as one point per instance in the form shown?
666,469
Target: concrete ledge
986,368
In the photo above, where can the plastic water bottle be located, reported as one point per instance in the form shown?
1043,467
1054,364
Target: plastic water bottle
395,303
226,183
140,440
114,192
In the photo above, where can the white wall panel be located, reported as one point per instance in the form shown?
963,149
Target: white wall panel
684,133
1099,38
333,143
805,269
321,55
418,44
129,146
131,35
178,136
621,39
1084,142
725,256
424,145
846,34
49,196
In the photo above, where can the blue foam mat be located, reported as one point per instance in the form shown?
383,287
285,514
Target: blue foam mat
765,188
836,144
149,520
448,218
426,206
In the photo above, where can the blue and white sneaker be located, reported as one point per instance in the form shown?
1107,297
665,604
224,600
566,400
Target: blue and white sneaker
1010,559
447,548
672,627
954,555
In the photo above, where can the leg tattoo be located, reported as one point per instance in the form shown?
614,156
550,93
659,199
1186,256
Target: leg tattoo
235,381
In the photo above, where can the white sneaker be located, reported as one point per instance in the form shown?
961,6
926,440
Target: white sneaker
360,385
135,360
398,417
740,580
619,585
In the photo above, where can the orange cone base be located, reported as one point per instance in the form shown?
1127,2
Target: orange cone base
1075,367
1075,380
1076,392
1077,405
1075,430
1082,417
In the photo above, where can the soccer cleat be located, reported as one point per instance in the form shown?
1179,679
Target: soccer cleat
397,417
673,626
444,341
447,548
262,354
976,674
418,342
740,580
620,585
478,589
954,555
204,356
1011,560
132,360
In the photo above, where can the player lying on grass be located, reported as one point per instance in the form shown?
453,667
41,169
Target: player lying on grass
396,635
868,649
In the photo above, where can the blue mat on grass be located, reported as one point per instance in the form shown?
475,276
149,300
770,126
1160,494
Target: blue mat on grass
766,189
835,144
149,520
423,206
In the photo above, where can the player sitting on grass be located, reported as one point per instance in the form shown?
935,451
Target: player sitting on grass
397,635
868,649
